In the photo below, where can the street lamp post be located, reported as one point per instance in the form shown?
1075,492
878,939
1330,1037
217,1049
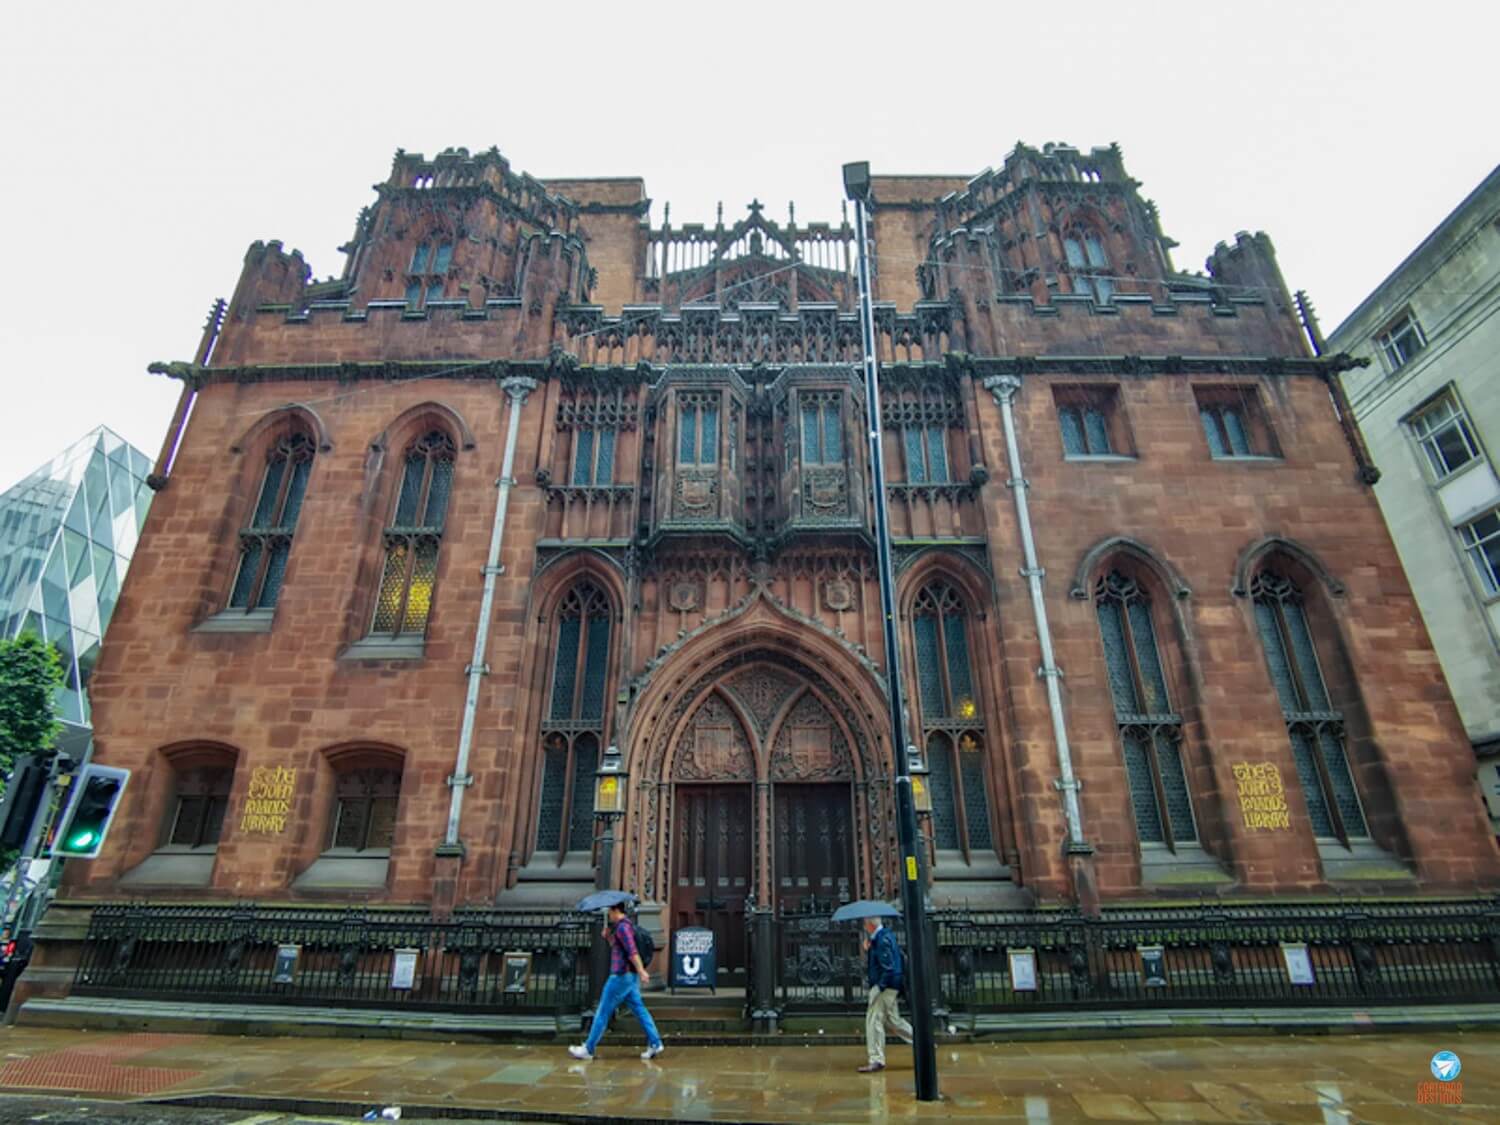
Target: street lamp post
609,806
857,188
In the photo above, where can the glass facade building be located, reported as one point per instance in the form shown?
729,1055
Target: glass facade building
67,533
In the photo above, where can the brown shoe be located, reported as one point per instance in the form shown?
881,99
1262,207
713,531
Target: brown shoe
871,1068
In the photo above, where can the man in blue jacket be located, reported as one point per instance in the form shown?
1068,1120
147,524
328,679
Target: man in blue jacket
883,972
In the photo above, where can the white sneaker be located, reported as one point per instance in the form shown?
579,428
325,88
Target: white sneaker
580,1052
652,1052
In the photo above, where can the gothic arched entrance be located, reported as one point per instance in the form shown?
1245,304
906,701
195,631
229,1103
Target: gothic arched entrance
758,791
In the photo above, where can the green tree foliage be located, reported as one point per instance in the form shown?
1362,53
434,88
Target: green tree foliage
30,674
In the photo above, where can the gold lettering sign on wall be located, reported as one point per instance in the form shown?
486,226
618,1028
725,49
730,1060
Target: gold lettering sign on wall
1262,796
269,804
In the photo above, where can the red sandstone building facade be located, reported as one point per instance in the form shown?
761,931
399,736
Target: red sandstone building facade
1228,662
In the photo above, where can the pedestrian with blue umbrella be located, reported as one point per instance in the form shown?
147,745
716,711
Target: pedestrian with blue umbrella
884,972
627,972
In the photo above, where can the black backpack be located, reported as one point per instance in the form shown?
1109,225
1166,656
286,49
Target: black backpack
645,944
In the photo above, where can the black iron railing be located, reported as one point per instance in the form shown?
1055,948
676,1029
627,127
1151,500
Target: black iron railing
247,954
1322,954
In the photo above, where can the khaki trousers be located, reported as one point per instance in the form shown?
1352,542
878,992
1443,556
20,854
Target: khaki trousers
880,1012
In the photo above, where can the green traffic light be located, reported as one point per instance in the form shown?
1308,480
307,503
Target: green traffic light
82,839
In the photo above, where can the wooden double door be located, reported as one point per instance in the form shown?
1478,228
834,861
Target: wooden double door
713,850
712,846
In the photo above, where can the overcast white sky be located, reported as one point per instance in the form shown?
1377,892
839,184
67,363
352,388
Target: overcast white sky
148,144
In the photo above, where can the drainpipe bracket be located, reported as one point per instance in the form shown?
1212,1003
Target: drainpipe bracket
483,669
1033,572
1073,786
1014,481
457,781
1049,673
486,571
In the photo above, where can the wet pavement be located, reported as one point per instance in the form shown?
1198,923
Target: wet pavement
239,1081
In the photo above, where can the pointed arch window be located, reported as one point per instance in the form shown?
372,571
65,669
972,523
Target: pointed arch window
952,726
1150,731
266,540
573,729
413,538
1315,728
1089,265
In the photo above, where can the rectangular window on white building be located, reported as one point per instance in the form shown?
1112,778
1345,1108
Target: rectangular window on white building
1401,341
1481,539
1445,435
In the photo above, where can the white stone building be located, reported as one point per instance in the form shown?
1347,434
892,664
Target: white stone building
1429,408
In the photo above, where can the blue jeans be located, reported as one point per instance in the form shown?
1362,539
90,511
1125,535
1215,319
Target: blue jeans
621,988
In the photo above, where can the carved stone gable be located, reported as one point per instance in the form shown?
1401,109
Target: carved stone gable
810,746
762,691
715,748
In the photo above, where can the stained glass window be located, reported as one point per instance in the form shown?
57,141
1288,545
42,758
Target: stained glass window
408,579
574,728
1314,727
266,541
951,719
1150,733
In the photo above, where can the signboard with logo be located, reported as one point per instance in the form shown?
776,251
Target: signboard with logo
694,959
1153,966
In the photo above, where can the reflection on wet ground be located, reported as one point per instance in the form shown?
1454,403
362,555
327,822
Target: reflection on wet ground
1325,1079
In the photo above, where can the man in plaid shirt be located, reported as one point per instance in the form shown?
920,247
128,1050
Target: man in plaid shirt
626,975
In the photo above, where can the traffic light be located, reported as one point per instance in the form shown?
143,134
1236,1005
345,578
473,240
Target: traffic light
23,793
96,795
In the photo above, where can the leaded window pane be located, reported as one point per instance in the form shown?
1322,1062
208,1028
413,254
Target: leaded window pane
976,798
191,812
810,434
1306,655
565,667
916,463
414,294
709,451
270,491
423,578
411,489
959,683
937,455
419,258
604,470
585,762
275,571
1312,785
929,674
1142,788
940,784
833,438
1117,659
442,258
380,831
295,492
554,786
437,494
1105,288
596,665
1097,431
392,583
583,456
1336,761
213,826
1174,786
435,291
1147,659
1276,657
1234,426
1216,447
1074,252
349,829
687,435
1096,252
250,553
1072,431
